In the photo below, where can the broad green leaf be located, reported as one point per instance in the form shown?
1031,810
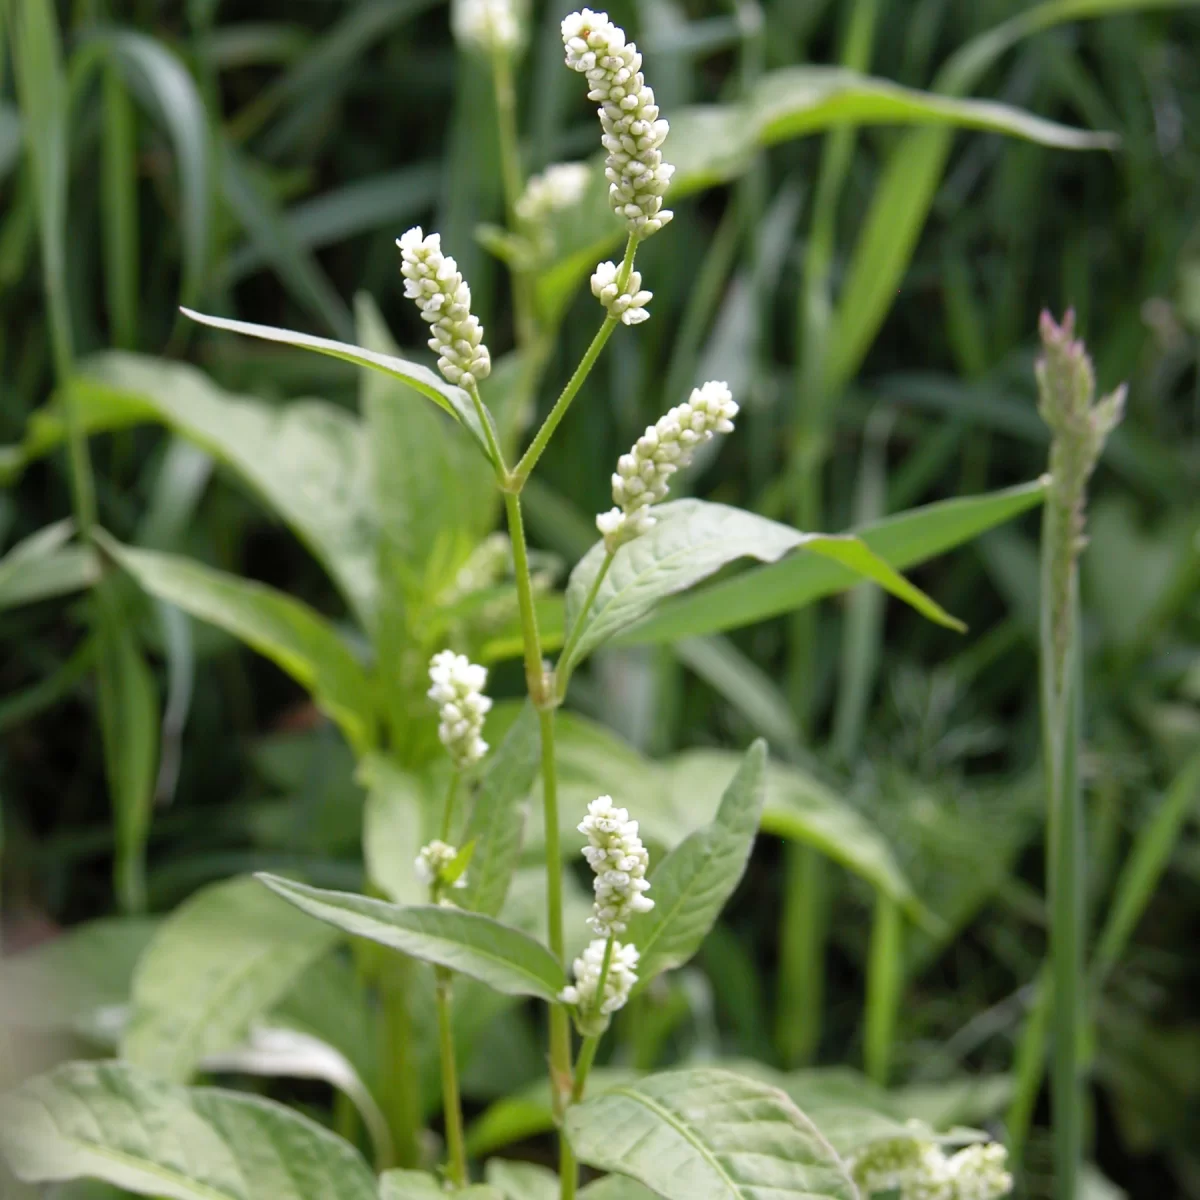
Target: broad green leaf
43,565
111,1122
708,1135
799,807
497,820
78,982
690,541
277,626
901,541
307,460
420,1185
522,1180
901,200
392,829
616,1187
431,385
692,884
280,1053
504,958
217,964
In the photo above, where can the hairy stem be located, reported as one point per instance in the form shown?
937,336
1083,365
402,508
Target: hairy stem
451,1104
534,670
489,433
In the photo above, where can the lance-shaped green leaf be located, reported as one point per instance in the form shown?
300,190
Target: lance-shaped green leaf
708,1135
220,961
420,1185
111,1122
902,541
431,385
692,884
43,565
277,626
692,539
476,945
497,821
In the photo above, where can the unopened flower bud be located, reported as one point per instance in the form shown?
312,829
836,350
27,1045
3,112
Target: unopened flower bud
627,303
457,689
592,1011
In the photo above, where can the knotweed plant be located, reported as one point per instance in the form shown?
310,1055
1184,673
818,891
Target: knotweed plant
444,823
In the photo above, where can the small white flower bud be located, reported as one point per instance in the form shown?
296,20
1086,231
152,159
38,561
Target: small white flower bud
628,303
432,862
919,1169
643,475
633,132
457,688
979,1172
557,187
433,281
592,1012
487,24
616,855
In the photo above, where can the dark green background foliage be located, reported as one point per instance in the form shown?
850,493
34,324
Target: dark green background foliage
258,160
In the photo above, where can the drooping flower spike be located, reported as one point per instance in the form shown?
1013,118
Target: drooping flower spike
643,476
457,689
616,855
633,130
432,279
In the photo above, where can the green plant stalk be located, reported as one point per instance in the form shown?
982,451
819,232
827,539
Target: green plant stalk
587,1052
1029,1070
451,1102
563,676
1060,734
120,210
885,978
542,438
448,807
489,433
401,1096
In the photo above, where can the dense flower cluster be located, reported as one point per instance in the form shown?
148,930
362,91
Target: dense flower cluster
432,862
593,1010
557,187
628,302
457,689
919,1169
616,855
633,130
487,24
643,475
432,280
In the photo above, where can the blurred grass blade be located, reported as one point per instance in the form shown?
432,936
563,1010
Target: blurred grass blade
120,210
1148,858
286,631
885,982
902,199
390,200
251,202
129,723
901,541
162,83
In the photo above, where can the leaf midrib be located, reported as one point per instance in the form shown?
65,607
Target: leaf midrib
685,1132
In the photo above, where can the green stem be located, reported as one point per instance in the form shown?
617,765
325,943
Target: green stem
400,1083
564,673
534,670
497,455
451,1103
801,988
885,977
583,1065
541,440
1029,1070
448,809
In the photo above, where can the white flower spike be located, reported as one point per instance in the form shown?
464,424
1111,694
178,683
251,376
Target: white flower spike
432,280
643,476
591,1011
919,1169
628,303
633,130
432,862
457,689
557,187
487,24
616,855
